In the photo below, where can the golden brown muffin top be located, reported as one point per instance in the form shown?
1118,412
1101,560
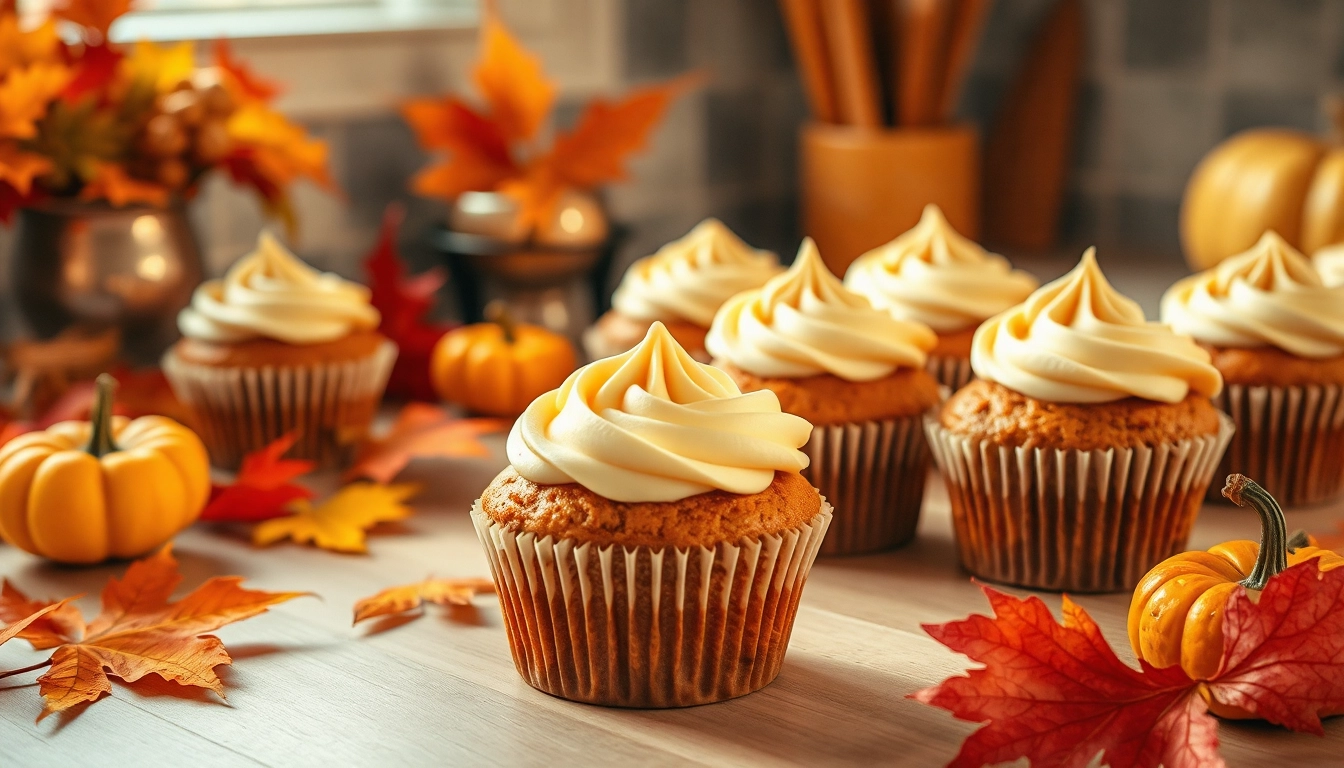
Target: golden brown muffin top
825,400
259,353
574,512
1272,367
984,410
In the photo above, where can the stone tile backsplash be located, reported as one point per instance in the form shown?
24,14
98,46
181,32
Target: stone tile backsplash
1163,82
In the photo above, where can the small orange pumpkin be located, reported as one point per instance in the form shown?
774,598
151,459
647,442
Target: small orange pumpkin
498,367
1176,616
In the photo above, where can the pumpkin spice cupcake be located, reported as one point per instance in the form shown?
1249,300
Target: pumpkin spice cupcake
1080,457
933,275
1276,333
275,347
857,374
681,286
652,536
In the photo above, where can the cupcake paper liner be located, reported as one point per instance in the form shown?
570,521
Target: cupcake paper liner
951,372
873,474
1290,440
239,410
1081,521
646,627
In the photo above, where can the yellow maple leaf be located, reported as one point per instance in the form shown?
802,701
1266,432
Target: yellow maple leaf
281,150
408,597
163,65
111,182
18,168
25,95
19,47
341,522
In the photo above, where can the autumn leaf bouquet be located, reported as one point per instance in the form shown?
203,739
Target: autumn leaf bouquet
494,147
82,117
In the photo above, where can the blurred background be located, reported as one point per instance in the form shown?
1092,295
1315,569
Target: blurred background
1160,84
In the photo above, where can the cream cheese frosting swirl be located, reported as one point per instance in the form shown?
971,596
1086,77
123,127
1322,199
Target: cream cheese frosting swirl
805,322
689,279
1078,340
1270,295
271,294
933,275
652,424
1329,263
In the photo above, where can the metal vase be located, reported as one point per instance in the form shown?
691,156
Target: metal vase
94,265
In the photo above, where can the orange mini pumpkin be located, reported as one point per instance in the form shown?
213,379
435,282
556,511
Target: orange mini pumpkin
498,367
1176,616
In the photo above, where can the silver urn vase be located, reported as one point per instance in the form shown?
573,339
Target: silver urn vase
96,266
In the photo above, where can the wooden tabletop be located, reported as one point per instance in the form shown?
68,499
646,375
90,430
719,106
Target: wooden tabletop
306,689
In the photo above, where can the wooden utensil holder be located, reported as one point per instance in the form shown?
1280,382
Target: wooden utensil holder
862,187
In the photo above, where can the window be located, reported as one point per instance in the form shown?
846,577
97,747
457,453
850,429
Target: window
207,19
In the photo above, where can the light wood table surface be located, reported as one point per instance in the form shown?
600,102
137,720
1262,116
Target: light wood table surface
308,690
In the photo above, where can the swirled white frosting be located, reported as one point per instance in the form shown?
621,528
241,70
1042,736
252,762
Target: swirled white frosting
1077,340
933,275
652,424
1329,263
689,279
271,294
805,322
1270,295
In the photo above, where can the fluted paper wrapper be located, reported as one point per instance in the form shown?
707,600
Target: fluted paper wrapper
951,372
239,410
645,627
873,474
1290,440
1068,520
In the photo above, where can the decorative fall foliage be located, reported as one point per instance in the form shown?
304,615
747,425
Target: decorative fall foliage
262,489
139,632
492,149
94,120
420,431
341,522
410,597
403,302
1056,694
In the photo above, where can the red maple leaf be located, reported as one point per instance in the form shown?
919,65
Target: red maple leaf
263,488
403,302
94,71
1057,694
1283,655
246,82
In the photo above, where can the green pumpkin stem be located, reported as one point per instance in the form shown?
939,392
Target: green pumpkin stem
497,313
1273,557
100,418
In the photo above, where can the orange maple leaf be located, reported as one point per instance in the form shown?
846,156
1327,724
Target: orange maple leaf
139,633
280,150
93,14
240,78
409,597
19,47
513,83
111,182
51,630
18,168
25,95
262,489
479,157
596,150
420,431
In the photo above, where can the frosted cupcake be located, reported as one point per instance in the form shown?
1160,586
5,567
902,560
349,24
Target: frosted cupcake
681,286
857,374
275,347
652,536
1079,458
933,275
1276,333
